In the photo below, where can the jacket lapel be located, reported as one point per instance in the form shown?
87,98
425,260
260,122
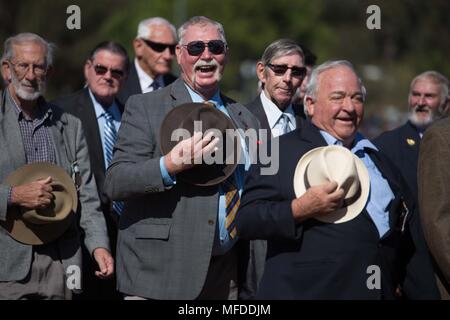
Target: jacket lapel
11,135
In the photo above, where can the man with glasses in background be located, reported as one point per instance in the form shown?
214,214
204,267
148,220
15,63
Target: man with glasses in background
35,131
154,49
281,71
100,112
173,243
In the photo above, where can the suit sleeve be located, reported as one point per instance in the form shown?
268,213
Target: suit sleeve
135,169
264,213
434,197
92,220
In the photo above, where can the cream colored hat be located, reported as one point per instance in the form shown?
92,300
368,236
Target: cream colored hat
41,226
335,163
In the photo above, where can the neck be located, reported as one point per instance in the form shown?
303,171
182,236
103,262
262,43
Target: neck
105,102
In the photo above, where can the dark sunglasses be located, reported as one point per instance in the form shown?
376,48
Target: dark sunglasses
159,47
100,70
280,70
196,48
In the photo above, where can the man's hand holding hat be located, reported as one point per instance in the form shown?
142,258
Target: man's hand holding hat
34,195
187,152
318,200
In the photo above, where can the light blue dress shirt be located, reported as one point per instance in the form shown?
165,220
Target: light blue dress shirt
101,120
223,243
380,194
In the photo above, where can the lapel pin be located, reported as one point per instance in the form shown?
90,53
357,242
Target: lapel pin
410,142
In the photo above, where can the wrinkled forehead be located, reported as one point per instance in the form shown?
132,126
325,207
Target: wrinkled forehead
201,32
342,79
32,50
426,85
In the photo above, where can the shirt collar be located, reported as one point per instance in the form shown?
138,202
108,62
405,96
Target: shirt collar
144,79
274,113
360,142
198,98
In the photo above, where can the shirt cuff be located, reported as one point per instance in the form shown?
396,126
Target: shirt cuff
168,180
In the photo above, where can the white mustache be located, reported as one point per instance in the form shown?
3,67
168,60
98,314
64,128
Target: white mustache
201,63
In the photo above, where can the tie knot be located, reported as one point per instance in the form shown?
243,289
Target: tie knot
108,116
210,103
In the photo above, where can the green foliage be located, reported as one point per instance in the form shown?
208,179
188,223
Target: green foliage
413,37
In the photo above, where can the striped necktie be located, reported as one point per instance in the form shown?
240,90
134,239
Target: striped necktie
110,136
232,201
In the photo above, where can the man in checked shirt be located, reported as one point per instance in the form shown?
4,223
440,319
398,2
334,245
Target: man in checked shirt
32,130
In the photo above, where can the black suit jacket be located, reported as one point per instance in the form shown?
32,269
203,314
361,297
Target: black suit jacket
257,109
314,260
80,105
401,146
132,85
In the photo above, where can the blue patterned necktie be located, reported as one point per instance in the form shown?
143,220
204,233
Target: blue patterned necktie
110,136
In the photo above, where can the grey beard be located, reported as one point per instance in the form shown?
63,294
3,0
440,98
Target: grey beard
23,94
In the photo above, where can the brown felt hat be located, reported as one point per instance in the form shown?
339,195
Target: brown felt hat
201,117
40,226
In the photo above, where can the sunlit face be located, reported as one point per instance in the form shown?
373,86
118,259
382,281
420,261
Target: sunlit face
424,102
281,88
338,108
202,72
26,71
105,86
153,61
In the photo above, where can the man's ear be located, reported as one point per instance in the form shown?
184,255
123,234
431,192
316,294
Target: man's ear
6,72
310,105
260,72
138,47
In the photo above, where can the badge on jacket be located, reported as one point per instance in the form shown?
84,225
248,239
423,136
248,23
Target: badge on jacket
410,142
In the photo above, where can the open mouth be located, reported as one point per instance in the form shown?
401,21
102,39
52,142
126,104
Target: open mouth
206,69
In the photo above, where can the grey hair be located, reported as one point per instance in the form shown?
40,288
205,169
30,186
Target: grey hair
201,21
145,30
436,78
26,37
311,87
279,48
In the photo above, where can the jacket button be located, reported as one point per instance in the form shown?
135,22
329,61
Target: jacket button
210,222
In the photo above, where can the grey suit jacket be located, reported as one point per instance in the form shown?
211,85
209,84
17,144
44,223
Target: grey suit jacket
70,145
165,235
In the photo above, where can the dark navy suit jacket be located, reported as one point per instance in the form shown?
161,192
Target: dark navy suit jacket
314,260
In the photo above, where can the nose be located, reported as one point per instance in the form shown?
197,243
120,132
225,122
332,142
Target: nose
287,77
206,54
30,75
348,104
422,100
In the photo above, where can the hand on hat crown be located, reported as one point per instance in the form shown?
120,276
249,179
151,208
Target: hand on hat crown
317,200
34,195
190,152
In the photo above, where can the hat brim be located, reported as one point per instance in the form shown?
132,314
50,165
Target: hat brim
346,213
31,233
201,174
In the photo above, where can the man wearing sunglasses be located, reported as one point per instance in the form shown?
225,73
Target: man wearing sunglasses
281,71
100,112
154,49
173,243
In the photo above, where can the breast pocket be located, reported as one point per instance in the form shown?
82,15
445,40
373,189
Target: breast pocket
159,229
